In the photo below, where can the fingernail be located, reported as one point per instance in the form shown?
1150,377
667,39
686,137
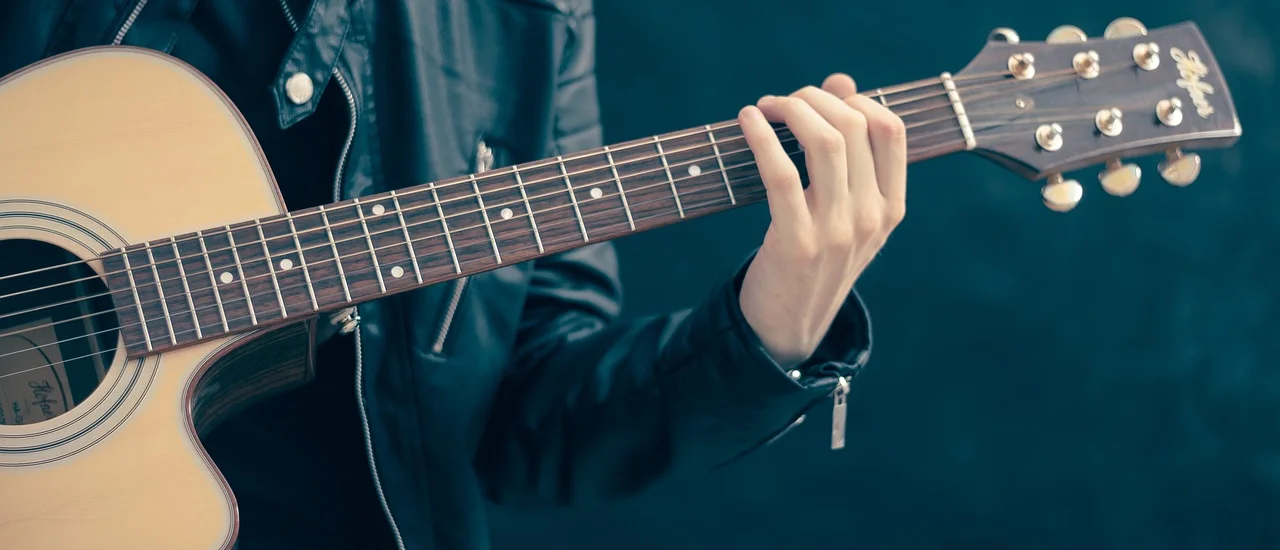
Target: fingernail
767,99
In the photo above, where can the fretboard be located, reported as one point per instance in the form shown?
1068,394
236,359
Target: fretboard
258,273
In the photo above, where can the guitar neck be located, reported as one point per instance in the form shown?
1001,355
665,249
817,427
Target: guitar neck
188,288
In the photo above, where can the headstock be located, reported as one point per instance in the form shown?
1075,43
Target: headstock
1043,108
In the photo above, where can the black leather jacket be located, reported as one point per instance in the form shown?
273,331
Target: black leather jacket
519,385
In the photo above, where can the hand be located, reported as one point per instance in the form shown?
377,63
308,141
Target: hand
821,238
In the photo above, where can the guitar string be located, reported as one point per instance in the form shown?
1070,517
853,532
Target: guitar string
718,184
431,204
272,256
479,242
644,142
259,223
556,193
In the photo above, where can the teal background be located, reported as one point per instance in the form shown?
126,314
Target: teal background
1101,379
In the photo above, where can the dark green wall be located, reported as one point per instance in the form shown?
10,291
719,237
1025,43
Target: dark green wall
1102,379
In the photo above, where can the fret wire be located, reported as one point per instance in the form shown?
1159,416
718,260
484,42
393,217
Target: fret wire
231,239
408,240
444,223
182,274
368,239
572,198
337,258
213,281
137,301
302,261
271,265
720,161
484,213
525,197
663,157
164,303
613,168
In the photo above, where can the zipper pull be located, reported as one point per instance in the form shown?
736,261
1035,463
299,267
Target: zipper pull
839,413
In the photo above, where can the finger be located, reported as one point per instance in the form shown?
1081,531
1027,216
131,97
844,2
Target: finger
851,124
840,85
889,147
782,185
824,150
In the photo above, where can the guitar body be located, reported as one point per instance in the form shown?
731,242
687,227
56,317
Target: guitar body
98,149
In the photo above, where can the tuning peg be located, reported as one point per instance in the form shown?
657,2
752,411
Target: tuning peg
1061,195
1003,34
1180,169
1124,27
1120,179
1066,34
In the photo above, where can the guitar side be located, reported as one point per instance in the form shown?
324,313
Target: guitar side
100,148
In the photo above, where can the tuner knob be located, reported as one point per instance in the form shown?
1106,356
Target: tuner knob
1066,34
1003,34
1061,195
1180,169
1147,55
1049,136
1119,179
1169,111
1109,121
1124,27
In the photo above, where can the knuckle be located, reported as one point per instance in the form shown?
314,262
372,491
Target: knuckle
840,237
895,212
851,122
806,92
891,127
831,142
868,224
783,174
792,105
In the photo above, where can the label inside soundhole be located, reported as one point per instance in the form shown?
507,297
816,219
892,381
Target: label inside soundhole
57,332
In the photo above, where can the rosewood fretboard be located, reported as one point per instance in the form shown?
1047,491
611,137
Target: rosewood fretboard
257,273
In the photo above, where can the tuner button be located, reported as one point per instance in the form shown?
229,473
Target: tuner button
1169,111
1180,169
1003,34
1066,34
1147,55
1124,27
1061,195
1022,65
1086,64
1119,179
1049,136
1109,122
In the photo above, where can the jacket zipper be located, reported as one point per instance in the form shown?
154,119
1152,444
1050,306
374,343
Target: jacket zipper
359,389
128,22
840,402
484,161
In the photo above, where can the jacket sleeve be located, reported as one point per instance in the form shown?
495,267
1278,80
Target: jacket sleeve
597,407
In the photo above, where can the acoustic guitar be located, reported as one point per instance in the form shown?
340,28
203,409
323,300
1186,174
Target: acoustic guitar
152,280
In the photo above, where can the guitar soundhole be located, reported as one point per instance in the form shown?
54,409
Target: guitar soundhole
57,331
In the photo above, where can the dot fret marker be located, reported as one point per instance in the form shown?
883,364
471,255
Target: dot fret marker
506,213
226,277
286,264
596,193
694,170
378,209
397,272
